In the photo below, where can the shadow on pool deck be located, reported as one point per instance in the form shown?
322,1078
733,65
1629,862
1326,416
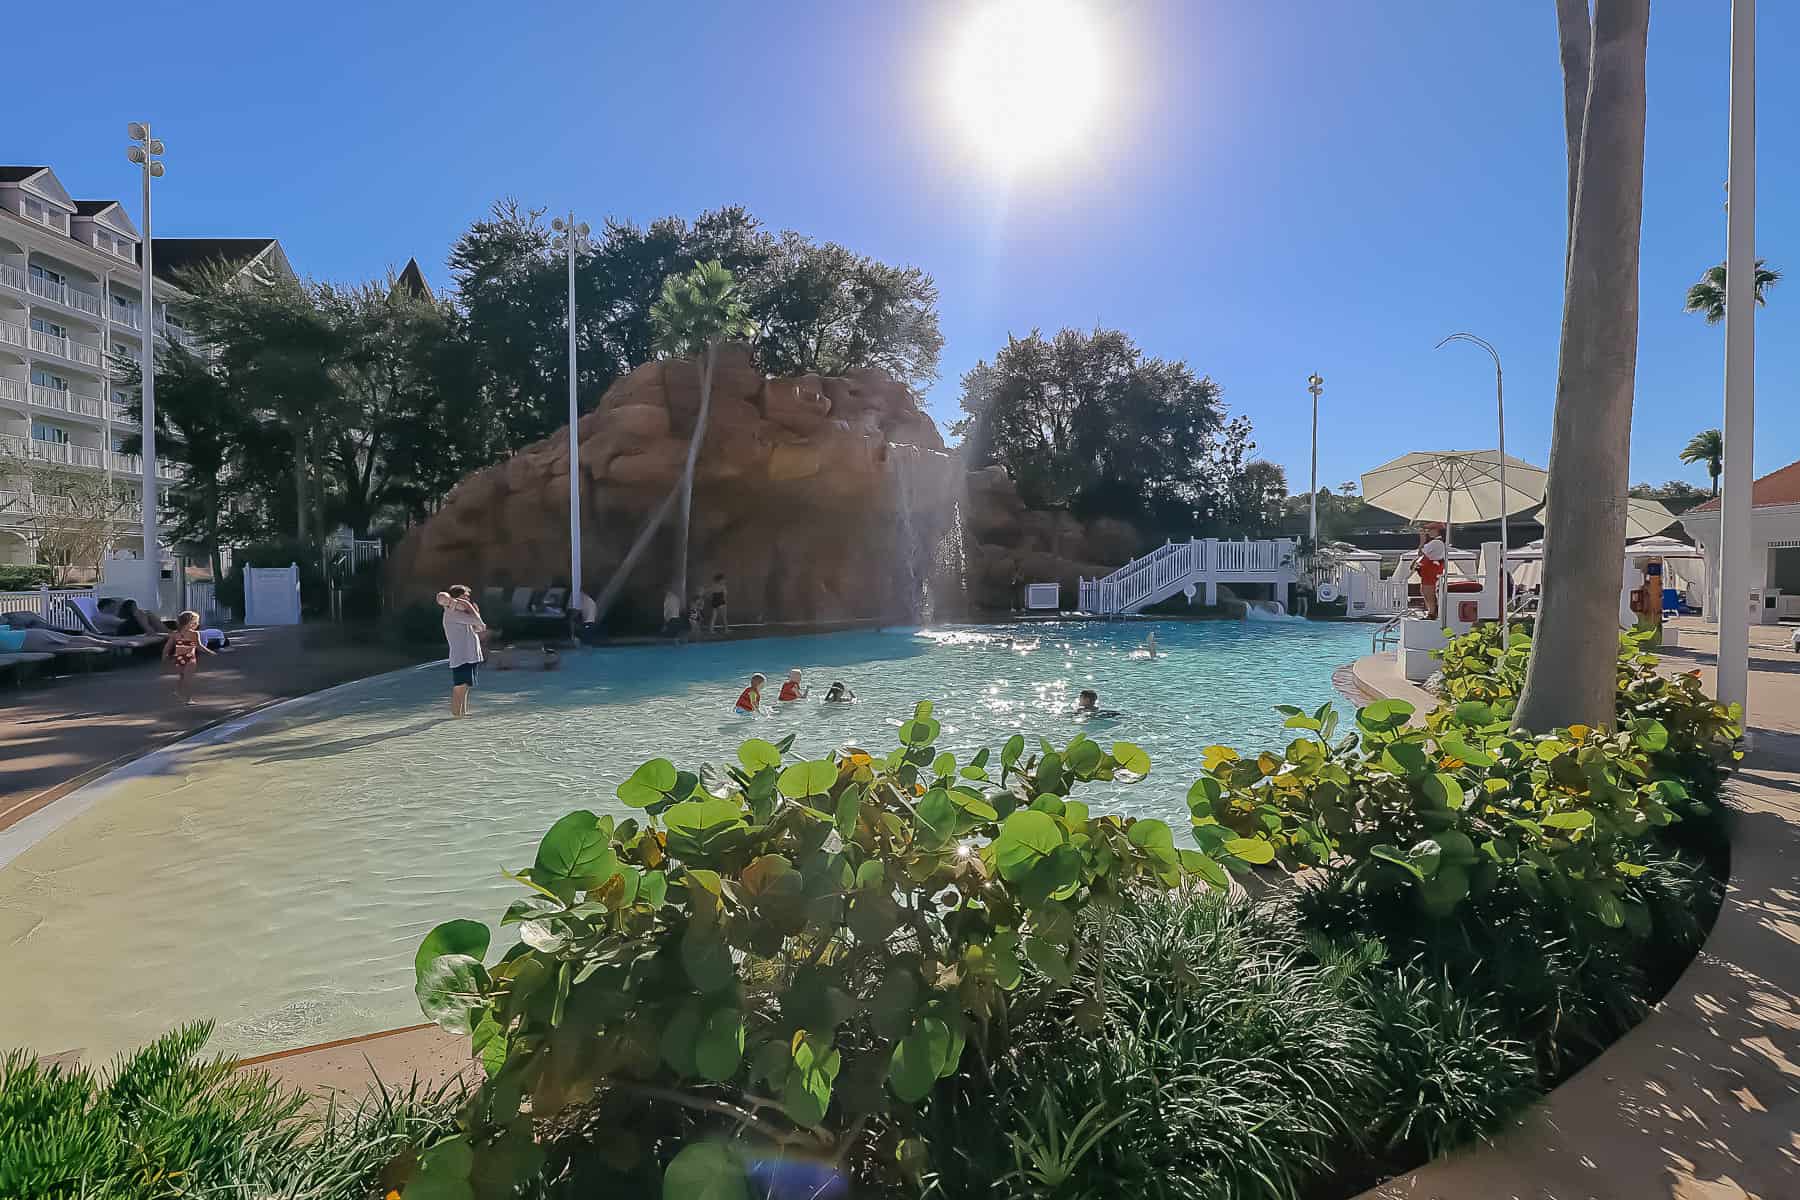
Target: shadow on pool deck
58,735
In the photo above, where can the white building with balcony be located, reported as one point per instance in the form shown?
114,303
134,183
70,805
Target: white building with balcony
70,304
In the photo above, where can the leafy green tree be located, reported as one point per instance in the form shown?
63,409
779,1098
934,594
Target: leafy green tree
1086,421
826,310
696,312
1678,494
200,425
1257,497
1707,296
1707,446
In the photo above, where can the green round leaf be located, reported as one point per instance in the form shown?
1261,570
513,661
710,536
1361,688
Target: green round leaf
649,783
1442,790
1440,894
919,732
1026,837
1083,756
1251,850
705,1171
1132,758
707,960
919,1059
577,847
452,937
1205,792
1011,752
805,779
1152,836
756,754
450,989
938,816
1384,715
720,1049
1203,865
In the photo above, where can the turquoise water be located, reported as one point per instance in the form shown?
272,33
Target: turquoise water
279,880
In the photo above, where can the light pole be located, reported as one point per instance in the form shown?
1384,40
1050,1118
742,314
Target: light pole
1315,383
573,238
1500,411
144,151
1740,365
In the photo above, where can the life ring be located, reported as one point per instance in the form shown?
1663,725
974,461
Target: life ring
1326,593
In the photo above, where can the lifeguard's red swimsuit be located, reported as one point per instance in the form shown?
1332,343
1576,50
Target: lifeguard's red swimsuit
1429,570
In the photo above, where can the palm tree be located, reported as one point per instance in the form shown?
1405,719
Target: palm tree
1707,446
695,313
1708,296
1572,677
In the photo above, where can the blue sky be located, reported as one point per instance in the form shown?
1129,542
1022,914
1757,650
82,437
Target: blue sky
1278,187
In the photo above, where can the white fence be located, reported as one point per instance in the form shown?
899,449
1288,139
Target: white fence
52,604
1176,566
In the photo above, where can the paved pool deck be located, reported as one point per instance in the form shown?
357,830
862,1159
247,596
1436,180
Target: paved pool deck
58,734
1702,1100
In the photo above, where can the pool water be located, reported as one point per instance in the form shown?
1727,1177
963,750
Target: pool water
278,877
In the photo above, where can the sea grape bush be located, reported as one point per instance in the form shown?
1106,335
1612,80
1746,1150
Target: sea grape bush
1449,807
802,948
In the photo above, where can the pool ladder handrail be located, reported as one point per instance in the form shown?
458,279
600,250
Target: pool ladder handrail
1388,636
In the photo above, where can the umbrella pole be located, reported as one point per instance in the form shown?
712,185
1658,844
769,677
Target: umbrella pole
1444,578
1505,579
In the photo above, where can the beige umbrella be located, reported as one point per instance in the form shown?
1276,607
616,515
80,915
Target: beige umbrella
1643,518
1456,487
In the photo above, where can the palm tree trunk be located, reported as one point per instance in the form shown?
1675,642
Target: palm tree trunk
687,474
1713,469
614,585
1573,676
1575,37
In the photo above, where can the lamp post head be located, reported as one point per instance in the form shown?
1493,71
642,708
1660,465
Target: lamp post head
1315,383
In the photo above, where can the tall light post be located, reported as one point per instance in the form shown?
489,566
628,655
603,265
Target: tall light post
1740,365
573,239
1500,412
144,151
1315,383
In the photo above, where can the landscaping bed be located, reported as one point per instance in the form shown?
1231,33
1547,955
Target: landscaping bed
901,974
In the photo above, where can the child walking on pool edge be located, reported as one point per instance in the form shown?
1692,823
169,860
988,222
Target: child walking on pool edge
182,650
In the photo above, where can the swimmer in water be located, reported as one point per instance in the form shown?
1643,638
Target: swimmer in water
1149,646
1089,702
750,699
837,693
791,690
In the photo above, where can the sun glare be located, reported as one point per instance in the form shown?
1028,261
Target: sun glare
1026,79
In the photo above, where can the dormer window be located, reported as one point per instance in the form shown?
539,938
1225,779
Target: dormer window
112,243
33,209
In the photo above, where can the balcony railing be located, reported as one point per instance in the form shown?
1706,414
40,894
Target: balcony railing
170,332
128,315
62,293
87,356
133,464
13,390
11,335
49,343
12,277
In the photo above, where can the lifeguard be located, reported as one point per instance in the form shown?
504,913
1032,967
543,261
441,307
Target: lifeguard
1430,565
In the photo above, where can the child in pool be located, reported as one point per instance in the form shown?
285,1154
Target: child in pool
750,699
1088,706
838,693
791,690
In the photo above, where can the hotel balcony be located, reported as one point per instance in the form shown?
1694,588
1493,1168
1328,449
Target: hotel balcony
11,334
65,295
78,403
64,348
12,279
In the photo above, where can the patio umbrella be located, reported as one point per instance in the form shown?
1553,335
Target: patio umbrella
1643,518
1457,487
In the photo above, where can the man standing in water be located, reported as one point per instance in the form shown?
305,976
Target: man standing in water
463,628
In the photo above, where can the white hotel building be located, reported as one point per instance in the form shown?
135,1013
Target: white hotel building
69,303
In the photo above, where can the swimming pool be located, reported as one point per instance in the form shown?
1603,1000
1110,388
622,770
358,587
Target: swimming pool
277,877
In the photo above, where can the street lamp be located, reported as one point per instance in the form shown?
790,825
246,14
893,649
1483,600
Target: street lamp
1315,383
573,239
144,151
1740,365
1500,409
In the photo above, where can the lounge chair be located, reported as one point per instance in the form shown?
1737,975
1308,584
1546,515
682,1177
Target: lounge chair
102,625
521,602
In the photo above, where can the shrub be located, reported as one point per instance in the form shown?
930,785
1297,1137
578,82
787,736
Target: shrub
1222,1061
23,577
802,948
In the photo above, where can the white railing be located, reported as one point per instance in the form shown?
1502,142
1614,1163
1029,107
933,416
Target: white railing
65,453
11,335
11,502
54,605
133,464
86,406
62,293
49,343
45,397
122,413
12,277
87,356
12,389
202,600
1174,566
128,315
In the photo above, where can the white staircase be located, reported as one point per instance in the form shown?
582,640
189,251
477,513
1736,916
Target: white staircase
1197,564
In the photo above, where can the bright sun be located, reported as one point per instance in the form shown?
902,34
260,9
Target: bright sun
1026,79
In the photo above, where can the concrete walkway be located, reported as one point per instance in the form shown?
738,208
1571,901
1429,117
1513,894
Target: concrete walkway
57,734
1702,1100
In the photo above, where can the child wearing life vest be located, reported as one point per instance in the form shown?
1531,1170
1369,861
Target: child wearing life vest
750,699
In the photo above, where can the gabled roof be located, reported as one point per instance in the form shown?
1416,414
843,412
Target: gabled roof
111,212
41,180
1775,488
174,256
412,282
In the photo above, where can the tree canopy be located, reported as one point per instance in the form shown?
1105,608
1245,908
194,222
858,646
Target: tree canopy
1088,422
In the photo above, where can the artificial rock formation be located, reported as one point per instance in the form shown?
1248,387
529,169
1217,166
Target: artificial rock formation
821,498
